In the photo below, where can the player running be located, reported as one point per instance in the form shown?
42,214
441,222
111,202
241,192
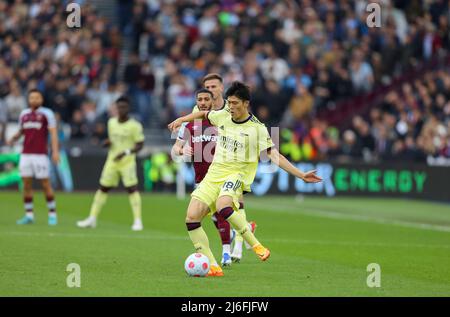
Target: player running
242,138
214,83
35,124
125,139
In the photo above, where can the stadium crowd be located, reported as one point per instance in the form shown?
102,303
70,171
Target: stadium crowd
298,57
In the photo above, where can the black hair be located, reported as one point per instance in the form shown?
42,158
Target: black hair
123,99
203,90
238,89
35,90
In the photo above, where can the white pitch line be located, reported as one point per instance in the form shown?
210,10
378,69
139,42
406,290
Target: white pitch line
162,237
360,244
337,215
96,235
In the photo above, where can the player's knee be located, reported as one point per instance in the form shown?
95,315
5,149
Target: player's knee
226,212
27,187
47,187
132,189
105,189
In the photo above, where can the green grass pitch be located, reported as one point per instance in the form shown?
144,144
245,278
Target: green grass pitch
320,247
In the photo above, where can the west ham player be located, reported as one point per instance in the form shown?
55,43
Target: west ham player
197,140
241,139
35,124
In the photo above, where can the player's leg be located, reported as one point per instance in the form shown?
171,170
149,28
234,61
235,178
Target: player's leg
50,198
28,201
100,197
225,236
227,202
196,211
136,207
236,255
109,179
128,174
41,170
26,172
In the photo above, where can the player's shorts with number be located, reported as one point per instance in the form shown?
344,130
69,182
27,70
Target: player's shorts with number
114,172
209,190
34,165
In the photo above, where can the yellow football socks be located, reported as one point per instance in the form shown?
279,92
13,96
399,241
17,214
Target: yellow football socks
201,243
239,239
239,223
135,202
99,200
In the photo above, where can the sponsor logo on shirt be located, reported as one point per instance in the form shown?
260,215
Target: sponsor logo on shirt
32,125
204,138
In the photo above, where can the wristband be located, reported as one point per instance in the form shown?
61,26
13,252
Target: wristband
127,152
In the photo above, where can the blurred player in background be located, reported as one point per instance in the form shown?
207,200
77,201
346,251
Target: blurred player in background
242,138
125,139
35,124
214,83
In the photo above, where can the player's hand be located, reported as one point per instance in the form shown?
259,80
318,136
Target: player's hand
119,156
311,177
106,143
174,125
9,142
55,157
187,151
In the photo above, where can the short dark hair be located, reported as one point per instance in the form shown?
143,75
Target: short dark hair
123,99
211,76
238,89
203,90
35,90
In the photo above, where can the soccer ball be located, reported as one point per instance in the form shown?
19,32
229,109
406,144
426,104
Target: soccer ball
197,264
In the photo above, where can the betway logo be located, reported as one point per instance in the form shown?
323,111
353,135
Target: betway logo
32,125
204,138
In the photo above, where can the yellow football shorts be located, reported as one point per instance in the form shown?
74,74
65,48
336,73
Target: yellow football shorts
209,190
114,172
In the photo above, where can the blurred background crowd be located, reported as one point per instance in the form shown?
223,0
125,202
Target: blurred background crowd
302,59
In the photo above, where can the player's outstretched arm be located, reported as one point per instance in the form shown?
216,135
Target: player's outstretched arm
14,138
281,161
174,125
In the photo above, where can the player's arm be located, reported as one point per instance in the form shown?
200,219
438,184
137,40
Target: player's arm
54,143
137,147
174,125
15,138
281,161
180,148
177,148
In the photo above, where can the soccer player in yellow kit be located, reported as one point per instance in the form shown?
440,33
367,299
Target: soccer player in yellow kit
214,83
125,139
242,139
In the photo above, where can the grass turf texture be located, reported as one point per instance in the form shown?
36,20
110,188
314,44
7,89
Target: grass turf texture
320,247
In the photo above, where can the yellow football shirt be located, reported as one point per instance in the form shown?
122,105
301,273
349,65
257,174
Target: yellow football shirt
123,136
238,146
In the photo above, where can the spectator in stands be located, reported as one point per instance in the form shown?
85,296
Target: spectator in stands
3,121
15,102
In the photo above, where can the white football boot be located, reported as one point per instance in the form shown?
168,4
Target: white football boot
137,225
90,222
